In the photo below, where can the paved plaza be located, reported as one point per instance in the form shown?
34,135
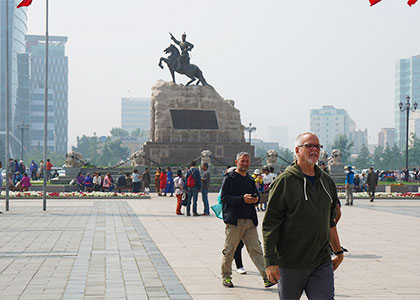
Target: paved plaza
139,249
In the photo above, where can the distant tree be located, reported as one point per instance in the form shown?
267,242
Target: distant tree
397,158
363,160
377,157
112,153
414,152
286,154
57,159
119,132
137,132
88,147
342,143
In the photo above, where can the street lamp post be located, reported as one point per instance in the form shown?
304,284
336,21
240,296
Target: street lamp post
22,126
407,108
250,129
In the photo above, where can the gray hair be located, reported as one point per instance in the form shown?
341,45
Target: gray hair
299,138
240,154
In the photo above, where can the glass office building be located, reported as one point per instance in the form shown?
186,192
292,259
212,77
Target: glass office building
57,83
135,113
17,30
407,83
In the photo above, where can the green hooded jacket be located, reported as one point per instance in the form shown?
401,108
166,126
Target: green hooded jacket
296,226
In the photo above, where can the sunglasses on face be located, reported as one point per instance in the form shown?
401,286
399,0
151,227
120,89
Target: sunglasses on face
310,146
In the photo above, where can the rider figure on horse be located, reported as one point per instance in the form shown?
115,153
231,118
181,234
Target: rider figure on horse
185,46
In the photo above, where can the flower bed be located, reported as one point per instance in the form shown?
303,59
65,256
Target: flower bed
78,195
382,195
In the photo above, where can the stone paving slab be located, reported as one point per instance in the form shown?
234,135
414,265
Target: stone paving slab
131,249
81,250
383,238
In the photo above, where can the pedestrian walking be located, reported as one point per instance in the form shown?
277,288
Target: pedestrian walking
299,226
49,168
34,169
239,196
136,181
157,181
205,184
349,186
145,178
372,182
192,185
162,180
169,182
179,190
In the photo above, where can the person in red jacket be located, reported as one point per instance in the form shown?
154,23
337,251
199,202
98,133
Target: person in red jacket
162,179
49,167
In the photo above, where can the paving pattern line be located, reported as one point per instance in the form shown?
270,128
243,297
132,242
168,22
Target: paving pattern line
76,284
170,280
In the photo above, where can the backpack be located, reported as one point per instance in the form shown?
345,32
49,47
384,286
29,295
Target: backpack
191,181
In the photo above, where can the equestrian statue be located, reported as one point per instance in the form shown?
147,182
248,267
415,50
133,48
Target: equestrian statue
180,61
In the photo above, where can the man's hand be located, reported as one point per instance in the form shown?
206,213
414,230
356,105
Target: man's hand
273,273
337,261
249,199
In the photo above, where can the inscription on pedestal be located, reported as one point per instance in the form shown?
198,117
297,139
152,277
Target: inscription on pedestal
194,119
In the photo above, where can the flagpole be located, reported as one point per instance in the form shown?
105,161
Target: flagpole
45,111
7,105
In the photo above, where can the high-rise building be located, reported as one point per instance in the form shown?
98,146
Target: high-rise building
414,124
328,122
360,139
407,83
57,83
37,120
135,114
17,29
386,136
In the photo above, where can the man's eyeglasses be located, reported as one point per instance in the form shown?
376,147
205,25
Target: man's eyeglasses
310,146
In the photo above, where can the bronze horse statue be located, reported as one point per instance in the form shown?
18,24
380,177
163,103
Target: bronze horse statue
190,70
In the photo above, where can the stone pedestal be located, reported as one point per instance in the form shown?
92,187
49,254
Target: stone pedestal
186,120
337,173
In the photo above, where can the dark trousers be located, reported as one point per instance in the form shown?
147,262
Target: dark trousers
238,255
371,191
136,187
317,284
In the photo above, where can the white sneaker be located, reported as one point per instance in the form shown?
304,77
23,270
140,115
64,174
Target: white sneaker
241,271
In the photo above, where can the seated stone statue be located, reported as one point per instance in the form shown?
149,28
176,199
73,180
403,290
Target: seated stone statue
272,157
74,160
336,158
205,157
137,158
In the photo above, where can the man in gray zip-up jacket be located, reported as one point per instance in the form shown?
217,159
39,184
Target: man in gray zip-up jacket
299,226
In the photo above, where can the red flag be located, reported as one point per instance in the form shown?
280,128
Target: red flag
373,2
411,2
24,3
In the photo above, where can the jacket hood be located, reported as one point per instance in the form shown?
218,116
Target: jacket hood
295,171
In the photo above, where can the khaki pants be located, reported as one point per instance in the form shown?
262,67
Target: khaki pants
349,194
247,232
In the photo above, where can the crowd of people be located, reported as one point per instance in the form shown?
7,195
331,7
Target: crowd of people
20,176
130,182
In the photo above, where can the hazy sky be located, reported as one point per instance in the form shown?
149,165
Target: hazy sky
276,59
